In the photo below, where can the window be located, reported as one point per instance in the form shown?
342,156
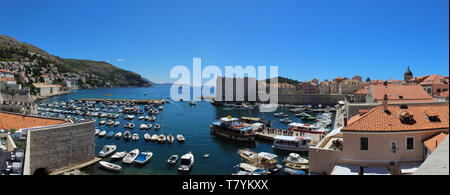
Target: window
429,91
409,143
364,143
439,90
394,147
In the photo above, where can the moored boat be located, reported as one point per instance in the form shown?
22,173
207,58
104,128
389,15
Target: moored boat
180,138
186,162
127,135
110,166
231,128
295,159
292,143
154,137
161,138
102,133
131,156
143,157
119,155
107,150
147,137
157,127
118,135
173,159
170,138
135,137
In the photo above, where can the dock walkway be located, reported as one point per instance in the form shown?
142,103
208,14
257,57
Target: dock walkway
144,101
79,166
269,134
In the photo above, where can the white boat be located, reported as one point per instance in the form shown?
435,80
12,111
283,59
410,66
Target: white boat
161,138
131,126
117,123
180,138
160,107
262,159
295,159
102,133
173,159
192,103
131,156
307,128
286,120
143,157
110,122
102,122
149,126
147,118
157,126
107,150
141,117
135,137
170,138
97,131
154,137
118,135
119,155
153,118
292,143
143,126
127,135
147,137
110,166
186,162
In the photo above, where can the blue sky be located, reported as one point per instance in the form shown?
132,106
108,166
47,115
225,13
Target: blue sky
306,38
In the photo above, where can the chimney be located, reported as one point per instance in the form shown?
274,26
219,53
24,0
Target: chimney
385,105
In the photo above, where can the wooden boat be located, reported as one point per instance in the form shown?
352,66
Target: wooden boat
232,129
107,150
131,156
119,155
173,159
154,137
110,166
143,157
186,162
180,138
170,138
102,133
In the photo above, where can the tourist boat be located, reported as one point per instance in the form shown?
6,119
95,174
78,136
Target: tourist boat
186,162
143,126
192,103
297,166
147,137
307,128
231,128
117,123
143,157
292,143
180,138
118,135
97,131
154,137
170,138
146,118
131,156
127,135
107,150
157,126
110,122
119,155
110,134
102,133
161,138
291,171
102,122
110,166
135,137
173,159
295,159
286,120
262,159
141,117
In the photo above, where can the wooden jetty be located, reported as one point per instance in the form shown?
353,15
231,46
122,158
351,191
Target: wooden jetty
143,101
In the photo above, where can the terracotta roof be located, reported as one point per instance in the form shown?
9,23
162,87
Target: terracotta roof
8,121
377,120
433,142
7,79
434,79
363,90
400,93
443,94
6,71
378,82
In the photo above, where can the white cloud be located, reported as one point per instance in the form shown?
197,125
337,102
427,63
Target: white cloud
120,60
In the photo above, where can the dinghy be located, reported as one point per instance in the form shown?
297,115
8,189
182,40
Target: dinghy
173,159
119,155
135,137
110,166
131,156
143,157
170,138
154,137
147,137
180,138
161,138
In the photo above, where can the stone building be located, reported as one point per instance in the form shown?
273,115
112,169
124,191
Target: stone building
408,75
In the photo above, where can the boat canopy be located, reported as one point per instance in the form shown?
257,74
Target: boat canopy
246,129
266,155
301,125
227,119
251,119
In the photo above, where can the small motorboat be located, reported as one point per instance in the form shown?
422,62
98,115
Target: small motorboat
170,138
147,137
149,126
192,103
135,137
295,159
173,159
102,133
290,171
160,107
161,138
127,135
119,155
131,126
118,135
110,122
143,157
286,120
131,156
143,126
141,117
117,123
147,118
107,150
110,166
186,162
102,122
297,166
97,131
154,137
206,156
110,134
153,118
180,138
157,127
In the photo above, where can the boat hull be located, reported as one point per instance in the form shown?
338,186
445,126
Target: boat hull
223,132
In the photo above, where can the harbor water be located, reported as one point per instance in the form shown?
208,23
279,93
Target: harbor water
176,118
